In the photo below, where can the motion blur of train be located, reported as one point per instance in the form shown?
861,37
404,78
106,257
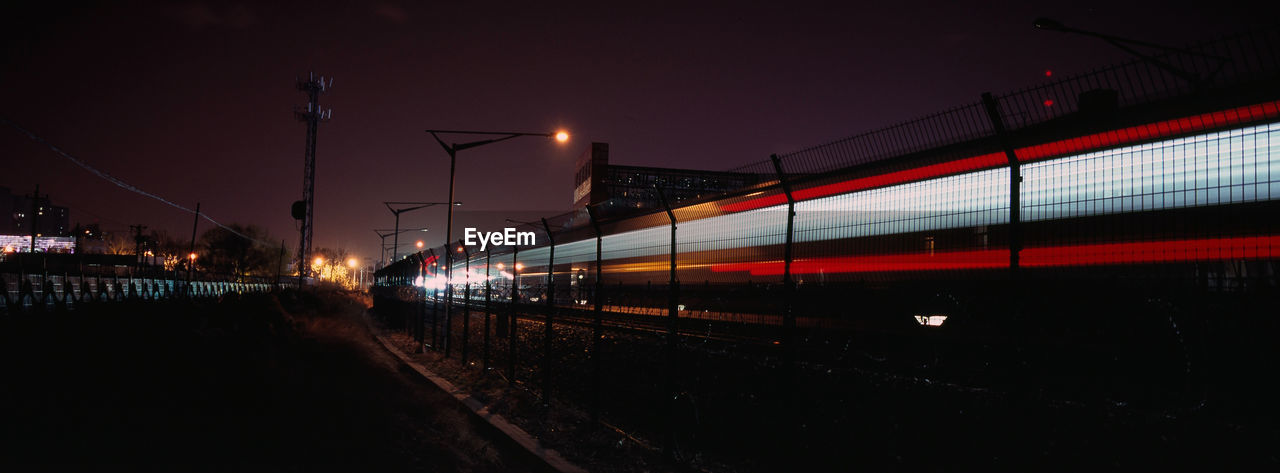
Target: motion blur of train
1128,213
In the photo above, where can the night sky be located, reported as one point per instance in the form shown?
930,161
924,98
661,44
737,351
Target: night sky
193,101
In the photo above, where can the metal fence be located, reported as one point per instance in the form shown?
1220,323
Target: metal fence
1124,205
29,284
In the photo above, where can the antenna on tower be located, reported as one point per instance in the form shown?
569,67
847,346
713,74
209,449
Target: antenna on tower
312,117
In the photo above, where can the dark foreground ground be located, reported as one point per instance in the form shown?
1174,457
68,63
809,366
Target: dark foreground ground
871,403
254,384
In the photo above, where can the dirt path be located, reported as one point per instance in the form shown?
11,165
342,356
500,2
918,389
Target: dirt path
258,384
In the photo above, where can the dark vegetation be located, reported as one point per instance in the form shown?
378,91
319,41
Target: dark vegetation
1089,391
252,383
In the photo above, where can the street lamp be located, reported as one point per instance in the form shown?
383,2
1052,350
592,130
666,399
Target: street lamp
1193,79
560,136
384,233
415,206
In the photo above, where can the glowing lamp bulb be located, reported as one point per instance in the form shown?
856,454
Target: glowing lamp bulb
192,256
501,266
562,136
519,266
351,262
419,243
319,261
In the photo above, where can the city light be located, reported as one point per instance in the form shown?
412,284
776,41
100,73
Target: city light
192,256
501,266
318,261
419,244
562,136
519,266
351,263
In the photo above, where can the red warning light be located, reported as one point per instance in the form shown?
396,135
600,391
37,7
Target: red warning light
1048,73
1048,102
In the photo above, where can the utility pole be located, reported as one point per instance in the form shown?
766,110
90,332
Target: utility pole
313,115
191,262
279,265
137,244
35,216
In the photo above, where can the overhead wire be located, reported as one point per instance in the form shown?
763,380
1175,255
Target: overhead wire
120,183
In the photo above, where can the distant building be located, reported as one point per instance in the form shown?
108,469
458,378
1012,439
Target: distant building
51,220
617,189
53,232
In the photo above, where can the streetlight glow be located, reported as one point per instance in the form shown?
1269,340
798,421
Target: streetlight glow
419,243
351,263
319,261
192,256
562,136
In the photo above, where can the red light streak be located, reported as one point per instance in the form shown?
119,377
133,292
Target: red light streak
1107,139
1170,251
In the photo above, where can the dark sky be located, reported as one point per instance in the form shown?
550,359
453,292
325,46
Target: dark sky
193,101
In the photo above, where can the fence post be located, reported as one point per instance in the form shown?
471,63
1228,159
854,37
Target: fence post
549,333
1015,183
597,320
673,329
788,282
447,338
488,308
420,309
435,301
512,327
466,301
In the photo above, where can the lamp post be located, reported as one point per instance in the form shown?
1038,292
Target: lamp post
452,149
415,206
1191,78
384,233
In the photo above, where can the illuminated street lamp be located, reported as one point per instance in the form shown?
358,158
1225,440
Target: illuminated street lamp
384,233
560,136
419,244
